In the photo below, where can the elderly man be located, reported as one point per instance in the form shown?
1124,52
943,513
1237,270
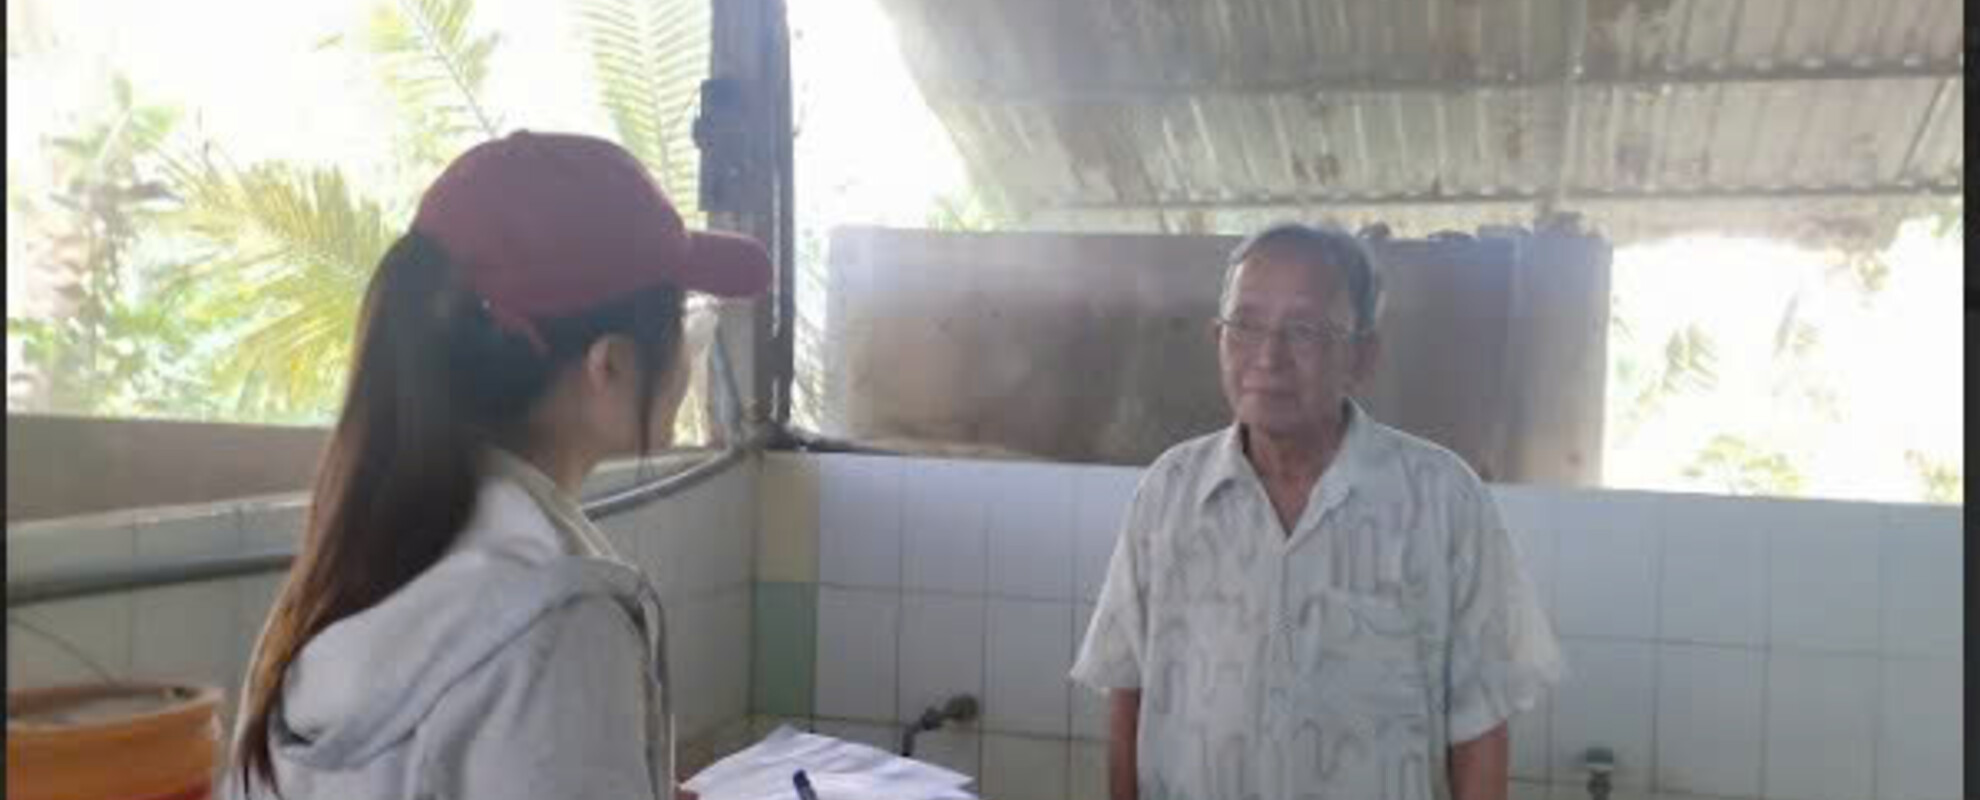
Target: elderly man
1309,604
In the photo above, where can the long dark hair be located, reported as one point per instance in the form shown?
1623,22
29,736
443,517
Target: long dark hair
434,383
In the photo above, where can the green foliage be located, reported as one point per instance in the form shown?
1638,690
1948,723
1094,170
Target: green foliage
253,317
1742,468
286,254
1939,481
105,348
966,212
649,58
1687,365
433,65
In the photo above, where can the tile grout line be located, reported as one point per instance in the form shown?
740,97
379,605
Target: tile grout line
1072,616
1651,781
1766,654
898,477
1553,581
982,521
1882,664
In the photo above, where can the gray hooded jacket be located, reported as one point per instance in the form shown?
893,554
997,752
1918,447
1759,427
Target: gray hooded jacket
527,663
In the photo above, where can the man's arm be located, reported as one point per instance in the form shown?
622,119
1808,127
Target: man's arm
1123,725
1478,767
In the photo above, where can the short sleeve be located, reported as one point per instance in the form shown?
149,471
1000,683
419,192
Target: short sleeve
1503,655
561,712
1111,655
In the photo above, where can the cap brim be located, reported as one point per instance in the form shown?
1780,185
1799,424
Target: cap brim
722,264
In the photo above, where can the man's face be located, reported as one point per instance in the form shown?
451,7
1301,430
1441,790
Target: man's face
1287,355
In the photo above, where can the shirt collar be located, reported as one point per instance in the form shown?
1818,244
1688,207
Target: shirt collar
1228,464
581,536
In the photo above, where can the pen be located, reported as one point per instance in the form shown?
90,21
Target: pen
803,785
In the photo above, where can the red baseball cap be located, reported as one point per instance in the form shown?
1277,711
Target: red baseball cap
545,225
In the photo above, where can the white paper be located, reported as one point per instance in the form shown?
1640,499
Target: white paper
837,769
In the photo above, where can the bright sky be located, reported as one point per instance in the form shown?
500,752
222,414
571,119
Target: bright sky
1895,362
869,151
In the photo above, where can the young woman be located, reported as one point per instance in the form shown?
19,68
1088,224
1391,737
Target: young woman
454,626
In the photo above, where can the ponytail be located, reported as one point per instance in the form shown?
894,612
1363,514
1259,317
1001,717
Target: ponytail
434,383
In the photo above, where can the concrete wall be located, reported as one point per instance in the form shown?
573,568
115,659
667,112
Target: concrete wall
70,466
1099,348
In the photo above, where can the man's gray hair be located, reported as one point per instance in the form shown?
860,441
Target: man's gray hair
1317,245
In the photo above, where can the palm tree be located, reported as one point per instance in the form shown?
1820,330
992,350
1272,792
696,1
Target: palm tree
288,248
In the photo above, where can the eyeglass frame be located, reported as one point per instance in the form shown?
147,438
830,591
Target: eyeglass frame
1303,334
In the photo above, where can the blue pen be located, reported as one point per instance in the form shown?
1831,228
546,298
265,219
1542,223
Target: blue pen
803,785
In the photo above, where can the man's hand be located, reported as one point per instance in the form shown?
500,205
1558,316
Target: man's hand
1478,767
1123,725
683,794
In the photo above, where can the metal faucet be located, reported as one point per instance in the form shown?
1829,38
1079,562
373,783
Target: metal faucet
1600,763
960,708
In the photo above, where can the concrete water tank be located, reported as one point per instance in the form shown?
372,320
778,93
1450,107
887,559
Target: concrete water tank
1098,348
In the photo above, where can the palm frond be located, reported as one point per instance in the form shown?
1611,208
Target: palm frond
434,66
296,245
649,58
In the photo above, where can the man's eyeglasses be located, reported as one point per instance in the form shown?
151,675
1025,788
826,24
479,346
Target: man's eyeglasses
1298,334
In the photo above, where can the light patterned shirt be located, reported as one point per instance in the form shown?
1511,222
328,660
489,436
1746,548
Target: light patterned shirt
1337,662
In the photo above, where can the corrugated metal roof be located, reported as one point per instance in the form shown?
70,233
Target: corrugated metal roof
1761,114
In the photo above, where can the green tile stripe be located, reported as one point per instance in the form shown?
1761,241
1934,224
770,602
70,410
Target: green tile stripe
786,638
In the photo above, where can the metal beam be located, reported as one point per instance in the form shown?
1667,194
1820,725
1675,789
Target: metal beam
988,91
1924,126
1581,195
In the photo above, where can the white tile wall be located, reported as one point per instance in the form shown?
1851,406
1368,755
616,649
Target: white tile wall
188,633
1026,689
731,538
858,637
1579,791
1714,584
945,523
942,639
1919,747
1709,705
960,750
1031,530
761,725
1605,701
1104,495
1089,771
859,521
730,648
1529,517
1824,568
1821,726
256,598
97,628
691,634
1530,746
885,737
1539,553
1019,768
1790,588
1607,567
1522,790
203,632
1924,605
1089,708
646,530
